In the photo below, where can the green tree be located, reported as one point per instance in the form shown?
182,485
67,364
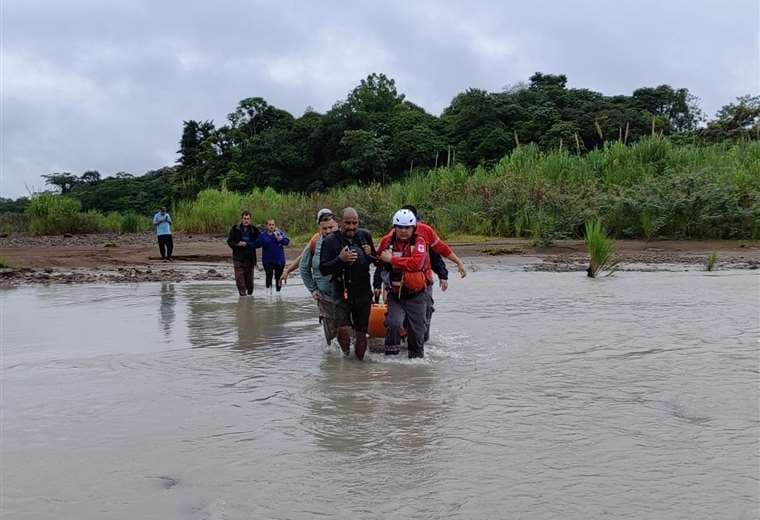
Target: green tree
739,120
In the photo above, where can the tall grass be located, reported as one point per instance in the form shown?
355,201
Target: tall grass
651,189
601,250
49,214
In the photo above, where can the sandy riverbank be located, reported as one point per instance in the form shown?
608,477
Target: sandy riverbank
134,257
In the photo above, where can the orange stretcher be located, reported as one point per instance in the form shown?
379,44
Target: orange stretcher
377,314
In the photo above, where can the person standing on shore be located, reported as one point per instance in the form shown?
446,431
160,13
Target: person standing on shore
162,223
273,242
243,239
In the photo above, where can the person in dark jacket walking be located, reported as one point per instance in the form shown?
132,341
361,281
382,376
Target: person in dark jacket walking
273,240
243,240
347,255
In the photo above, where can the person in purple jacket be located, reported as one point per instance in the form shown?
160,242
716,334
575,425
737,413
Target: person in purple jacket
273,241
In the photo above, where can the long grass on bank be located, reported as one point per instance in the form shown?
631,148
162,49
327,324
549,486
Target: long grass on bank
51,214
651,189
648,190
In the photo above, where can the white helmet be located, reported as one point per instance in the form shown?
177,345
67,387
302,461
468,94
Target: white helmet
404,217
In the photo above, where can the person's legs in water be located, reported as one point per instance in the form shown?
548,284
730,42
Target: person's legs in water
394,321
345,327
269,270
415,308
278,269
249,278
429,311
360,318
240,280
344,339
327,318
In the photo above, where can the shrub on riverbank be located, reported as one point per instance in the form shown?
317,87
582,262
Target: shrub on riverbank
50,214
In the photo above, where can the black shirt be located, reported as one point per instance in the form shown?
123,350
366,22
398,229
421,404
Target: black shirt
242,254
351,279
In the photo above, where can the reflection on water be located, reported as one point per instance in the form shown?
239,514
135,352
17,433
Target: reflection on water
168,301
361,412
543,396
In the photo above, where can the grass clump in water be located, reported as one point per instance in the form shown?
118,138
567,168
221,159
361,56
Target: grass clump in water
601,250
712,261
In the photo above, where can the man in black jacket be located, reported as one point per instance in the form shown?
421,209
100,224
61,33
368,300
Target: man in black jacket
347,255
243,240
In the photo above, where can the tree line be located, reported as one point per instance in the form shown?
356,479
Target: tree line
376,135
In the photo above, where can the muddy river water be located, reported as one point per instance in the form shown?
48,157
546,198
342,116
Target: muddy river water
543,395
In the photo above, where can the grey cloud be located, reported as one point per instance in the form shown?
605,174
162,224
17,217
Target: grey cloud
93,85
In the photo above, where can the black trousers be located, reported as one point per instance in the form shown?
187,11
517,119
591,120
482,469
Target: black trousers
276,270
165,245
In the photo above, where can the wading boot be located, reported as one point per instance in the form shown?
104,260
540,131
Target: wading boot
344,340
418,352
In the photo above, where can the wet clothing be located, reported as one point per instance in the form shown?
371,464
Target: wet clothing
351,282
438,265
243,276
409,267
327,319
273,271
408,301
243,257
249,235
312,277
165,245
273,250
314,280
408,313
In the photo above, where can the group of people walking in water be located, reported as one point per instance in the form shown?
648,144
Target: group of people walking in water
335,268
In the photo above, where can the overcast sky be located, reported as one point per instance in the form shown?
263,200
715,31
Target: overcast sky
106,85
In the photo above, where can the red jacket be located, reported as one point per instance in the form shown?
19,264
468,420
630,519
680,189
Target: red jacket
410,264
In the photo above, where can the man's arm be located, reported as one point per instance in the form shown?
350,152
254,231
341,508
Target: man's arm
231,239
294,265
304,267
329,261
438,265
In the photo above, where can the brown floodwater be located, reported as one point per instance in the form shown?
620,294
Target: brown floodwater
543,395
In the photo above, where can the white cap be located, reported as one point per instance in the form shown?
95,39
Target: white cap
404,217
321,212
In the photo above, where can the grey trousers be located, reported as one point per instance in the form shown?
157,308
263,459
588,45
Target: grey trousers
412,313
327,318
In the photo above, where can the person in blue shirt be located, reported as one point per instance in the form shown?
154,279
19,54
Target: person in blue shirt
162,223
273,241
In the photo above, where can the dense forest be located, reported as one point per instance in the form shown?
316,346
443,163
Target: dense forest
376,135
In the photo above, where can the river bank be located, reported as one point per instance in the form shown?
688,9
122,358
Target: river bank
114,258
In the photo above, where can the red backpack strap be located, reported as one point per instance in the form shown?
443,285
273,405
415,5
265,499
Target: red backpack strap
313,245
